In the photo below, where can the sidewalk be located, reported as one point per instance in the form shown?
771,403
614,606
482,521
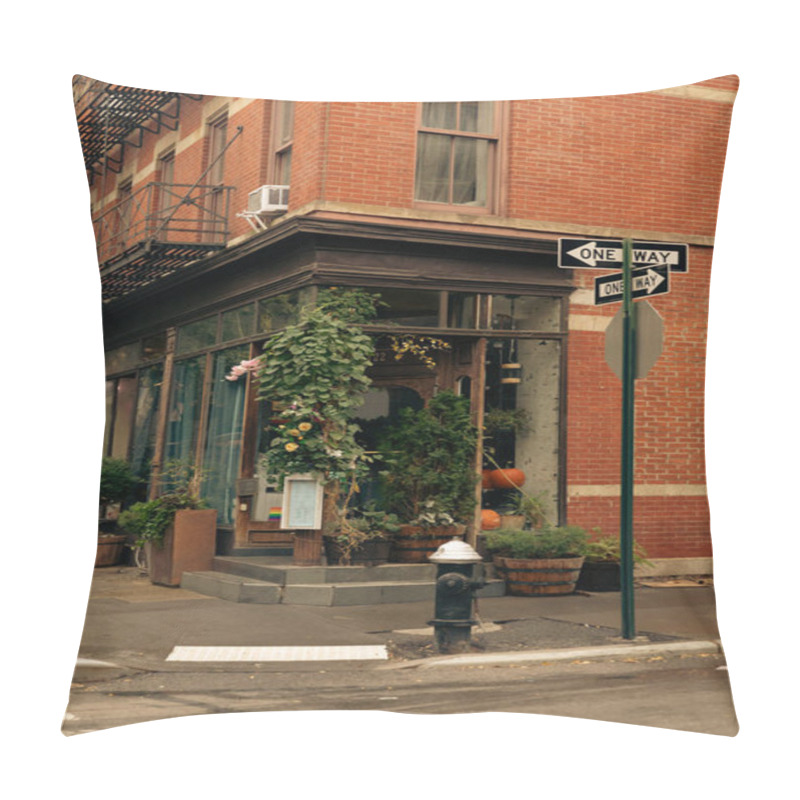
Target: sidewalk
132,624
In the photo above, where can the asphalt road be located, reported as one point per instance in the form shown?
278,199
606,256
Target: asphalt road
680,692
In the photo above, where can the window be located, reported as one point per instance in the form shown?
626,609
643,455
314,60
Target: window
238,322
215,205
224,434
456,146
515,313
275,313
197,335
166,179
284,132
412,307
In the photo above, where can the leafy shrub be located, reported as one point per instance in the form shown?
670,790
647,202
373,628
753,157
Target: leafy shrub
430,459
116,480
550,542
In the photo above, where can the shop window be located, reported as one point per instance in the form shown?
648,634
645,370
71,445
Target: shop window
154,346
145,425
185,406
238,323
456,146
278,312
122,358
522,416
461,310
120,407
197,335
409,307
224,434
519,312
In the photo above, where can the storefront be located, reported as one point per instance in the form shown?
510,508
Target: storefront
502,314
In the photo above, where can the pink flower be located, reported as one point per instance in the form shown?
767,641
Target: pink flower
252,364
238,371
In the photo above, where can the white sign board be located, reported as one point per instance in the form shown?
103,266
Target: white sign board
302,503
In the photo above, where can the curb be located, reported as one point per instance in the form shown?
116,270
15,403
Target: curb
538,656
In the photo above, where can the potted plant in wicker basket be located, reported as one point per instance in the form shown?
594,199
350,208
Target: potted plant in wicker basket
429,477
116,483
540,562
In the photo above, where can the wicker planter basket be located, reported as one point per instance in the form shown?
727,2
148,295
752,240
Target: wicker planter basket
547,576
109,549
413,544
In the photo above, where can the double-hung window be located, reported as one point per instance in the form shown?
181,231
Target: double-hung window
456,154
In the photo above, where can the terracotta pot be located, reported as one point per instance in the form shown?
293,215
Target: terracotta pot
189,546
540,576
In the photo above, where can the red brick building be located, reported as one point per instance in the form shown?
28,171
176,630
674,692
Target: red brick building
452,212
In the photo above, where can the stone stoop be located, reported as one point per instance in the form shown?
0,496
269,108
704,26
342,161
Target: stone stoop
271,579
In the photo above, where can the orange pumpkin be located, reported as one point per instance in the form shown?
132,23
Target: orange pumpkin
486,479
511,478
489,519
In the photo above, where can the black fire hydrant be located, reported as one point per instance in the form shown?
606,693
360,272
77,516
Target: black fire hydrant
459,574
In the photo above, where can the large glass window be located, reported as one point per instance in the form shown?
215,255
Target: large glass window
520,312
183,418
461,310
277,312
410,307
197,335
238,323
120,406
455,153
224,434
145,426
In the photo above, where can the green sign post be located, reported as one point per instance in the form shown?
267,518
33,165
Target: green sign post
626,481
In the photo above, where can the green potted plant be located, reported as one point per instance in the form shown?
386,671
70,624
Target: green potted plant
521,510
547,561
429,476
314,373
600,572
176,529
363,538
116,483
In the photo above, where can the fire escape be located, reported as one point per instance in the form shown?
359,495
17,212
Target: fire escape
161,227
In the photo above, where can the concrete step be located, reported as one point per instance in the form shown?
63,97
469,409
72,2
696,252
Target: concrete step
244,589
366,593
236,588
283,572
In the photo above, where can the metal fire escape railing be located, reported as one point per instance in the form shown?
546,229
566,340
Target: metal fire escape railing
156,230
113,117
162,226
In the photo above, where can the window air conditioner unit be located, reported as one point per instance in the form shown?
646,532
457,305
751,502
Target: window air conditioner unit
268,200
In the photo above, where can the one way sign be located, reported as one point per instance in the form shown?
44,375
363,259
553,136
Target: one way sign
607,254
645,282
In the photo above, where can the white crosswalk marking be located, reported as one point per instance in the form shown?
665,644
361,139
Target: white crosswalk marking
320,653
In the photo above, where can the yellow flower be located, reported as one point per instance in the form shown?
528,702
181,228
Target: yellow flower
294,432
292,446
304,426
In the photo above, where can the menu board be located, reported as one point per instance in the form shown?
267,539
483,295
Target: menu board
302,502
